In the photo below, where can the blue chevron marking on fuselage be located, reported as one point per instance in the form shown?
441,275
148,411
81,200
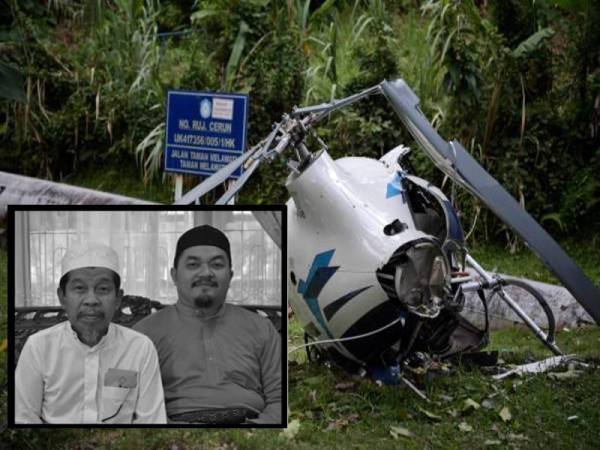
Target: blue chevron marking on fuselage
395,187
318,275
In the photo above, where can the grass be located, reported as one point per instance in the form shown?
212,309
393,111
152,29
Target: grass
366,413
363,413
496,258
360,413
125,180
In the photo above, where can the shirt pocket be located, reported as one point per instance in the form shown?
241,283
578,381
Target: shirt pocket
116,405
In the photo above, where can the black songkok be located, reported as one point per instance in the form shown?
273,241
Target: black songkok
202,235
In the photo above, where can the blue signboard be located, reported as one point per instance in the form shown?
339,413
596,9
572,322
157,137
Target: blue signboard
205,131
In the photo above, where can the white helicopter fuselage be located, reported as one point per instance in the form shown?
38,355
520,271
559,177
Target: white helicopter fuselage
337,214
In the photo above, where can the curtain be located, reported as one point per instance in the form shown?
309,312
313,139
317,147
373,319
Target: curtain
145,242
21,242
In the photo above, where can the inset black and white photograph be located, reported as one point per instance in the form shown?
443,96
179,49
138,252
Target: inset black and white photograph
144,316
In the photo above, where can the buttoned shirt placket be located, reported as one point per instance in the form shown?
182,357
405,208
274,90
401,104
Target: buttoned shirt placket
91,370
207,331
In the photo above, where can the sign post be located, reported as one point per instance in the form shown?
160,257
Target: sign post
178,186
204,132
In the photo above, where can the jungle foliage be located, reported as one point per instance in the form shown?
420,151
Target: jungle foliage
83,84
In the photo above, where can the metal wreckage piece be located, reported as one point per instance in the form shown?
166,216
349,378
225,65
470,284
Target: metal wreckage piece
22,190
377,257
541,366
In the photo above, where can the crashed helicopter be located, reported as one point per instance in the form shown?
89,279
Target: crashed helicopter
377,262
378,269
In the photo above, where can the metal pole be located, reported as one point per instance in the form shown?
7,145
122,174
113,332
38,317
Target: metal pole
491,283
528,321
480,270
178,186
232,199
324,109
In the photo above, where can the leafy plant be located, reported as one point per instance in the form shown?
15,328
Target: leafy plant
86,88
516,81
11,83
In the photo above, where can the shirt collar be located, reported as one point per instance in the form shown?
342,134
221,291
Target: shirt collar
191,311
103,341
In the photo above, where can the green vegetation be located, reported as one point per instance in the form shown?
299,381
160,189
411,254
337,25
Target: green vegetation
365,413
333,411
524,263
123,181
84,83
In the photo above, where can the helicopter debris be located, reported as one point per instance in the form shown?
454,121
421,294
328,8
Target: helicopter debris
539,366
377,257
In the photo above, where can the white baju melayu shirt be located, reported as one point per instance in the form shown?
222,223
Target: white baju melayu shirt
60,380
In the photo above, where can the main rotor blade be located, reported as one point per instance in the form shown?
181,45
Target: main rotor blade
325,109
406,105
458,164
21,190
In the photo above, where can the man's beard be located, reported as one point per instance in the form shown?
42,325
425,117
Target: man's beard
203,301
90,335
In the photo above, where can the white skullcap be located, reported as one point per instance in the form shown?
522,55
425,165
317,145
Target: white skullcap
91,254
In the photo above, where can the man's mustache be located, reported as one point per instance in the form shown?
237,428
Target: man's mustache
205,281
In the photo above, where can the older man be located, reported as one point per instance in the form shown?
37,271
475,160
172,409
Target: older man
220,364
89,370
